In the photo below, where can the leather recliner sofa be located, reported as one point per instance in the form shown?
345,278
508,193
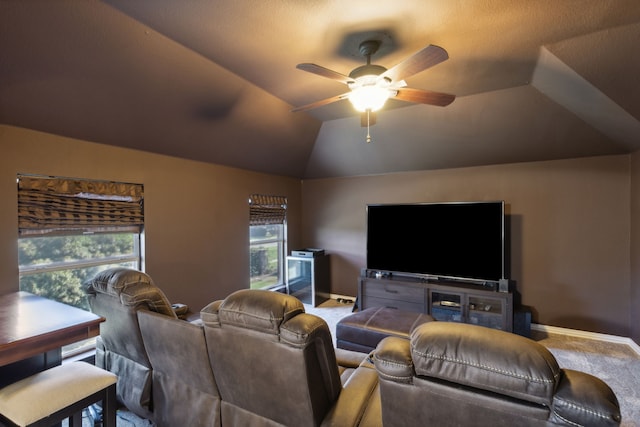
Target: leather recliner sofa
451,374
275,365
165,371
161,361
117,294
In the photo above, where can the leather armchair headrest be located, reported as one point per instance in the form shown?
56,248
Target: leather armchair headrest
253,309
485,358
133,288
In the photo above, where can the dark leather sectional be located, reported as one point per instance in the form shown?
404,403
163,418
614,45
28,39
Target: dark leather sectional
257,359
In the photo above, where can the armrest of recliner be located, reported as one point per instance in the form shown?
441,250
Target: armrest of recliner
349,358
582,399
359,400
349,361
392,360
181,310
209,314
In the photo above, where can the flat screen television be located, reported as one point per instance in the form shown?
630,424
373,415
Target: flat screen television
454,240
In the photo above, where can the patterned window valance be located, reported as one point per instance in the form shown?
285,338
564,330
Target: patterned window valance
48,205
264,210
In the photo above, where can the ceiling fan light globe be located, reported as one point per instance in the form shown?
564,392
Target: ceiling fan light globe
370,98
369,93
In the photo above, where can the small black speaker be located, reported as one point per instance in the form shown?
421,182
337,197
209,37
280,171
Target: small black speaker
522,322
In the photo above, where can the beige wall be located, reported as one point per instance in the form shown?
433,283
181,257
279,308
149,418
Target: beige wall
196,214
571,222
570,230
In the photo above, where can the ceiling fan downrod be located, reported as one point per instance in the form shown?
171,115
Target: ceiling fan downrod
369,48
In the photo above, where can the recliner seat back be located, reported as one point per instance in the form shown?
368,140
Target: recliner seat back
273,363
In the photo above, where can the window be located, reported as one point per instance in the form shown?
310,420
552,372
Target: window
267,241
70,229
55,267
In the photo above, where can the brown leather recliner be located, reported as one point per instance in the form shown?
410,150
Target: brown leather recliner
452,374
275,365
117,294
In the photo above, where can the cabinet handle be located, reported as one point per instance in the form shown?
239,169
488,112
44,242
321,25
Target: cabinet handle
390,292
393,308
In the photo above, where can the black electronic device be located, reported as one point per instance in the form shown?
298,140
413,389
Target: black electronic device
445,241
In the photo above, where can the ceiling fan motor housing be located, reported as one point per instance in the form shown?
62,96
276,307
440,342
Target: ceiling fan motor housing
367,70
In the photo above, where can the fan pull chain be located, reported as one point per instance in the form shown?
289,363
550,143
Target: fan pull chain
368,135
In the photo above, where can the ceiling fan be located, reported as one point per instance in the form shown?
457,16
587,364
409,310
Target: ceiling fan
371,85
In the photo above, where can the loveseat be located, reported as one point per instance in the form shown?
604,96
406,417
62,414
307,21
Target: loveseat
452,374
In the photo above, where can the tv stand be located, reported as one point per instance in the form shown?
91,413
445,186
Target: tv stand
447,301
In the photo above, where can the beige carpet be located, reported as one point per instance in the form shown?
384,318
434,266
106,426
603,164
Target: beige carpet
616,364
331,311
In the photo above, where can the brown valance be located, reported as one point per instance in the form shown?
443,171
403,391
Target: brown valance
49,205
264,209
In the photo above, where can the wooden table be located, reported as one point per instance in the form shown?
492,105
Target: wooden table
36,328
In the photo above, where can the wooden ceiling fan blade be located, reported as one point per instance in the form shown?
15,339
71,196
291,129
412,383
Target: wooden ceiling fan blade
368,120
426,58
320,103
424,97
324,72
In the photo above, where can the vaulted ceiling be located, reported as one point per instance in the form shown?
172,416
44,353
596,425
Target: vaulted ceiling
215,80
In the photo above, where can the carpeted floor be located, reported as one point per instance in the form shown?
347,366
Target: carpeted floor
617,364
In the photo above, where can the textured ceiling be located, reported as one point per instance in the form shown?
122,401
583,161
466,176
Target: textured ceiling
215,80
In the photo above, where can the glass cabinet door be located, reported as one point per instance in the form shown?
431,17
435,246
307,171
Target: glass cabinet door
300,278
446,306
485,311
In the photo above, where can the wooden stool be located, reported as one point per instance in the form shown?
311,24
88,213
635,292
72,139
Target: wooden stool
58,393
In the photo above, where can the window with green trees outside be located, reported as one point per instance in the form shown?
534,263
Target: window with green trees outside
69,229
55,267
267,255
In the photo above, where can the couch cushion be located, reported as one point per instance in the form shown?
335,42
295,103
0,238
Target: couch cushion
485,358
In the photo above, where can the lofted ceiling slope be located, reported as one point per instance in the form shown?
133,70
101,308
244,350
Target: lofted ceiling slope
215,80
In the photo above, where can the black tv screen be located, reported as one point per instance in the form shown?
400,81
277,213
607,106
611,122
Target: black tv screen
462,240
